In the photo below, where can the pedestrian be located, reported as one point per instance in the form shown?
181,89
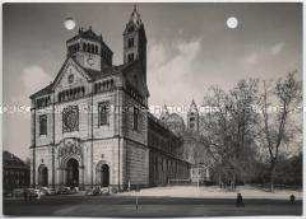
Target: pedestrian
239,200
38,195
292,199
129,185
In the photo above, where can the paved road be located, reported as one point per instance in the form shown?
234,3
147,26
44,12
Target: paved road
116,206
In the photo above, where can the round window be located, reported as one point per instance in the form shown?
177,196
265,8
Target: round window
70,79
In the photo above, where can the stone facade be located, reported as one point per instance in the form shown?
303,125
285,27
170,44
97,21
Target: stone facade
90,126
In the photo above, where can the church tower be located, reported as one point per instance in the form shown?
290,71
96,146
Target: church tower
89,50
164,114
135,42
193,118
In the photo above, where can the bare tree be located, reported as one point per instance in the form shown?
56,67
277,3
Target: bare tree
229,129
286,95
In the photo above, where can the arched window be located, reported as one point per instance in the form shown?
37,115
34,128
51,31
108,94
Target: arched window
78,92
43,124
130,42
103,113
96,88
91,48
131,57
82,91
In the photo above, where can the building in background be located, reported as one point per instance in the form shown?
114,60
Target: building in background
193,149
16,173
91,125
166,162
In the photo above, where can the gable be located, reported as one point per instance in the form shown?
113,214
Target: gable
70,75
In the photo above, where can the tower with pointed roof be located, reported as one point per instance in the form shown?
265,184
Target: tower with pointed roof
164,114
135,42
193,118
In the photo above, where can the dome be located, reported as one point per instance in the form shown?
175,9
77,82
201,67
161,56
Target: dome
175,123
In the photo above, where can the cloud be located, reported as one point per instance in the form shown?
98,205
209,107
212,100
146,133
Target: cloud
277,48
252,58
262,54
34,78
171,81
180,31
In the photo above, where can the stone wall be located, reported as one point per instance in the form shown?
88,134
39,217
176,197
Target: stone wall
106,152
137,164
139,135
43,157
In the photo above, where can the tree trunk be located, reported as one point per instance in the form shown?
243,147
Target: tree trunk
272,176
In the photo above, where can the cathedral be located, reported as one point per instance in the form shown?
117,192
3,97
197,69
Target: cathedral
91,125
193,148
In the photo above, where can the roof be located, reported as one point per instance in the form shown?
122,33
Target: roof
126,67
135,17
92,74
134,23
11,160
44,91
158,122
105,71
87,34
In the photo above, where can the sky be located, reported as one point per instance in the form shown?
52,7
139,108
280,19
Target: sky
190,48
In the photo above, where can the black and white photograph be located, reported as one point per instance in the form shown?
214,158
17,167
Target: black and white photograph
165,109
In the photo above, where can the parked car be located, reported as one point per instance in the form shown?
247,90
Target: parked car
105,191
47,191
63,190
92,191
43,190
74,189
51,191
7,193
34,193
18,192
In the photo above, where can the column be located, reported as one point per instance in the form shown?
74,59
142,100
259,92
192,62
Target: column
81,178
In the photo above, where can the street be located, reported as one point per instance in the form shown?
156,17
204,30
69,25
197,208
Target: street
120,206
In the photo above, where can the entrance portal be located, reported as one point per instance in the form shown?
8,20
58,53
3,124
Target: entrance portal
105,175
43,175
72,177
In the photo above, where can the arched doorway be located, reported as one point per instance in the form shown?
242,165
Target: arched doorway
43,175
105,175
72,173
